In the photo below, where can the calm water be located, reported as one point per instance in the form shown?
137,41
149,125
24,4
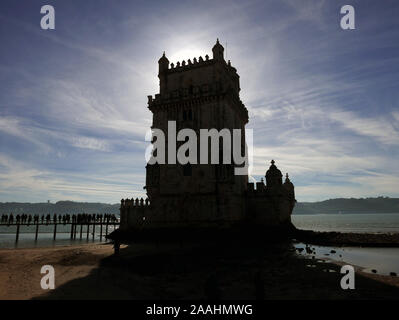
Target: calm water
45,237
321,222
373,223
384,260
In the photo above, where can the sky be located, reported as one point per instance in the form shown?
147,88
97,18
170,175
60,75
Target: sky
323,102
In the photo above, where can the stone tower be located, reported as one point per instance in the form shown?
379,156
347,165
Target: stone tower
203,94
198,94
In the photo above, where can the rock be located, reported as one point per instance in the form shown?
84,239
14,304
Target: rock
333,251
374,271
393,274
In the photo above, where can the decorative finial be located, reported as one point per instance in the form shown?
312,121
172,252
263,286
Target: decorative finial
217,40
273,162
286,175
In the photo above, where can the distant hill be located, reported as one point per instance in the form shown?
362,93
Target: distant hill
60,207
363,205
352,205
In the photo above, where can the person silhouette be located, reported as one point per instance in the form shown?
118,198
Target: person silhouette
117,245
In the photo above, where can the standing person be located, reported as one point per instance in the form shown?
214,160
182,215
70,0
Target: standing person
117,245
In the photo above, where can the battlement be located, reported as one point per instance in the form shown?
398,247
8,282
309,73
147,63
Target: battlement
128,203
191,64
196,63
133,212
193,73
256,188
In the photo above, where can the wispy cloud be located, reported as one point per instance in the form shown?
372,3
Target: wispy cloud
322,102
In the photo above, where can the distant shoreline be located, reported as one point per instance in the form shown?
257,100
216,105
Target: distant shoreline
331,206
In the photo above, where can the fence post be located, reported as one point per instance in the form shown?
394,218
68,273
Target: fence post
71,230
106,227
37,230
101,228
17,236
55,230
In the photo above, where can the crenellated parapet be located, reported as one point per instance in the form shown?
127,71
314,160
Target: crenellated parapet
198,82
190,64
127,203
133,212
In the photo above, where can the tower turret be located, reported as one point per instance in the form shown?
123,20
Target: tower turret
273,176
163,64
288,184
218,51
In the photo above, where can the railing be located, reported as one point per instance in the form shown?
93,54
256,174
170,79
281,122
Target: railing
91,221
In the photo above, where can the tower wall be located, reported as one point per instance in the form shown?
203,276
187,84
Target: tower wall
197,94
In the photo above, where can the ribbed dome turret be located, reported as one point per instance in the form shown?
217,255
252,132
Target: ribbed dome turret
217,51
163,63
287,183
274,176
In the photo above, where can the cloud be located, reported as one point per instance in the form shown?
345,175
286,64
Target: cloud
382,128
322,102
24,183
